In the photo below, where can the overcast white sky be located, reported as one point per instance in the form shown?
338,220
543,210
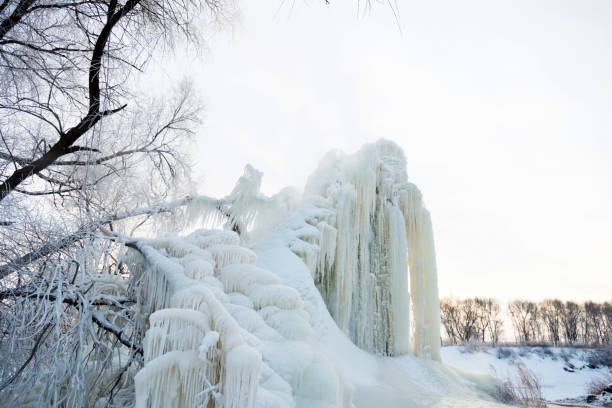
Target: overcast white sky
504,110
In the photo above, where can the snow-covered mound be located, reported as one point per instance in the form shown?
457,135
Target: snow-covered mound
564,373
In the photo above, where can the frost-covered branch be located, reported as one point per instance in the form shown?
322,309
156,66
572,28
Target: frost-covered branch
96,316
37,343
100,300
99,319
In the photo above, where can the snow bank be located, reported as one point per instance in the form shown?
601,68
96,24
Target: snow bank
563,372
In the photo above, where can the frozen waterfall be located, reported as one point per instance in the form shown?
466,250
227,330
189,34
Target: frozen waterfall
375,235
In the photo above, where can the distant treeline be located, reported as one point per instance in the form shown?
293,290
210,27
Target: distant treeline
551,322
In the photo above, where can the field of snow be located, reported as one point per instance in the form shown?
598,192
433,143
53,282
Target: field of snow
563,372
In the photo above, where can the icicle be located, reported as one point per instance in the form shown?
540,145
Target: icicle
174,329
135,262
248,319
242,367
281,296
291,324
241,277
178,247
274,392
309,233
327,252
245,200
431,317
206,347
197,268
209,342
202,210
400,298
314,215
206,238
175,379
162,279
338,289
231,254
240,299
309,253
190,298
273,211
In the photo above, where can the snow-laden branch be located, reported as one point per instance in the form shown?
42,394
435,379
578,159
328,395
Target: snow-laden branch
240,208
101,321
87,229
101,300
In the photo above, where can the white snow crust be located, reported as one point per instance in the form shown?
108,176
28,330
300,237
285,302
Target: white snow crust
563,372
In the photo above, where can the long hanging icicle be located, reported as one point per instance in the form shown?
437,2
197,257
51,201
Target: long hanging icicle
423,274
430,341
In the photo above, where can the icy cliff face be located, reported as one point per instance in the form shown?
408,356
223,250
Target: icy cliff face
373,243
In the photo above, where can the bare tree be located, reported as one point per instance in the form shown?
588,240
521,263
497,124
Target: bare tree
482,320
550,312
474,319
450,317
496,323
606,317
548,321
593,321
524,318
65,69
570,322
467,329
489,321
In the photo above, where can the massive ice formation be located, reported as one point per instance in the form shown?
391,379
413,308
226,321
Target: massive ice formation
368,230
223,332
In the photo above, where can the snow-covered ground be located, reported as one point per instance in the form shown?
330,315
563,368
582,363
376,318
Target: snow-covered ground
563,372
